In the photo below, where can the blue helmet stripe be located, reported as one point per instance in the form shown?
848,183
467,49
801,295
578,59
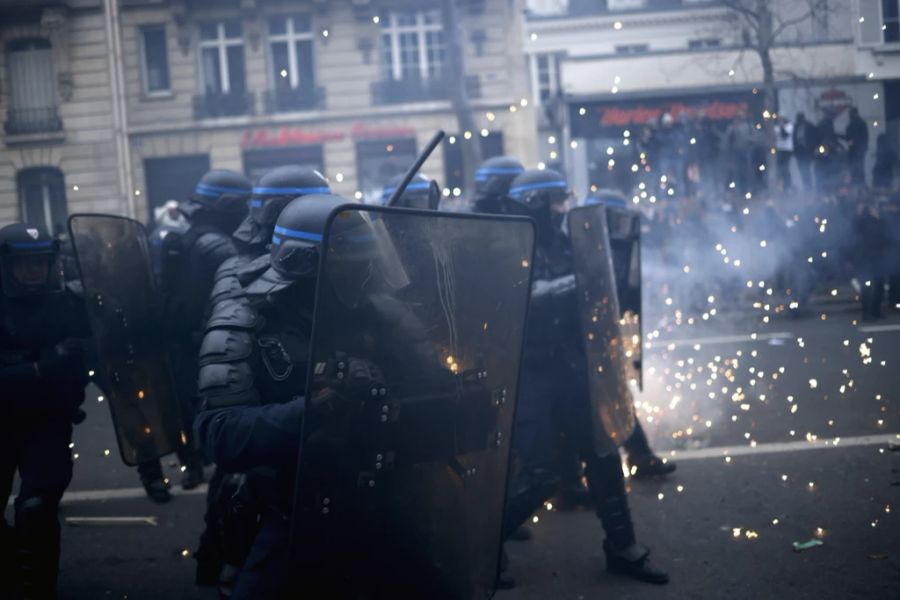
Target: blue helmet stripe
31,245
276,240
287,191
412,187
205,189
297,234
499,171
543,185
256,203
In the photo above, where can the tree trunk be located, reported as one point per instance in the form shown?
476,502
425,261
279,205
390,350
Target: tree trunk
455,75
764,43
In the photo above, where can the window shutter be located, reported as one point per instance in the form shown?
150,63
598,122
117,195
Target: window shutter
869,23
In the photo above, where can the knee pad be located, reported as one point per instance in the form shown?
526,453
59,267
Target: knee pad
36,514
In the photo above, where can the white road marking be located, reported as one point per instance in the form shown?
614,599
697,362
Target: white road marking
784,447
106,521
723,339
680,455
879,328
120,494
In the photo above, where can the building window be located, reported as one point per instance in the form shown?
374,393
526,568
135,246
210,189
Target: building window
292,64
154,60
546,77
377,161
222,57
42,198
704,43
412,43
32,88
890,24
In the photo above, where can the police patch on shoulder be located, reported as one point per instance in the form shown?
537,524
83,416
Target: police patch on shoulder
34,233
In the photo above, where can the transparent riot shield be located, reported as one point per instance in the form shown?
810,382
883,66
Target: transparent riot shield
114,261
625,244
598,305
414,364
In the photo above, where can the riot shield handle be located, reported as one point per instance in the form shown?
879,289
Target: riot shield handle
420,160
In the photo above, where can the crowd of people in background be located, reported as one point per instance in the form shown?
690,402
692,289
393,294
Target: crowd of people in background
719,223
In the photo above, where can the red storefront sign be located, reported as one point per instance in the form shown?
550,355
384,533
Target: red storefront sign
298,136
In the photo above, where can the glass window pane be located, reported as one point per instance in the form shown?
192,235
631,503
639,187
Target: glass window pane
281,70
305,63
156,63
232,28
302,23
277,25
432,17
409,56
405,18
387,56
212,74
434,41
238,83
208,31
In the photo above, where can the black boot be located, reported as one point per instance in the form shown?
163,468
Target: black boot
192,474
623,555
157,490
633,562
505,581
153,481
37,546
650,465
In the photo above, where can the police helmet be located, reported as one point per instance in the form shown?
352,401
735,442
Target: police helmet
271,194
29,261
494,176
422,193
220,190
536,189
359,248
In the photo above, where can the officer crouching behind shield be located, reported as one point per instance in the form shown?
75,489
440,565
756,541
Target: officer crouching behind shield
556,402
43,375
253,375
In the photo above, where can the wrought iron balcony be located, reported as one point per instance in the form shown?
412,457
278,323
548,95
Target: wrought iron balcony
21,121
212,105
294,99
393,91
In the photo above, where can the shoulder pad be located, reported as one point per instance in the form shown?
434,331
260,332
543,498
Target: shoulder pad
233,314
223,385
230,266
250,271
215,244
225,346
225,288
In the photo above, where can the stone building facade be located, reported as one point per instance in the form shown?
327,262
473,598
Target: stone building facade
146,95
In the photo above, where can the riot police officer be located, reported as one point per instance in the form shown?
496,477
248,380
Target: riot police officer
554,401
422,193
492,180
274,190
43,373
251,381
188,263
219,554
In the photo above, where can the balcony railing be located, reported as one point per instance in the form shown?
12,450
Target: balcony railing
294,99
212,105
32,120
393,91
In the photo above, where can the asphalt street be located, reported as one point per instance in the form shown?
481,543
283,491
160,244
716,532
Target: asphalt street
783,432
